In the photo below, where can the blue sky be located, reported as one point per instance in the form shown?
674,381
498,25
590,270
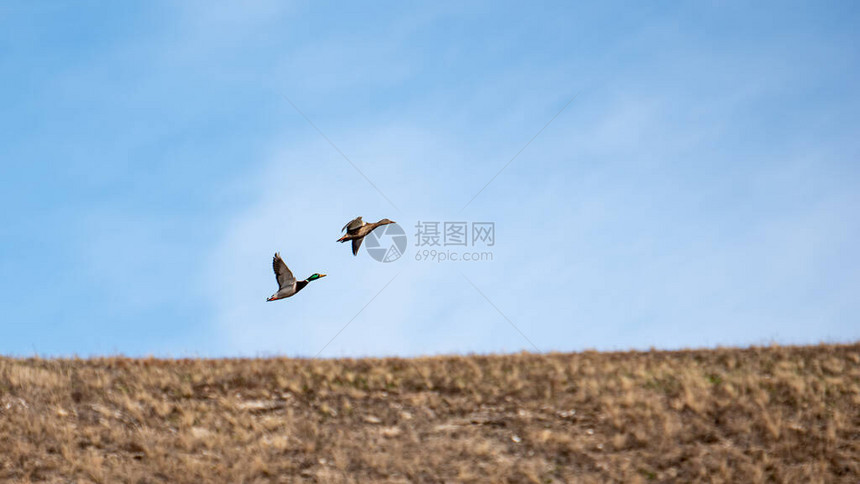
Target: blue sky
701,189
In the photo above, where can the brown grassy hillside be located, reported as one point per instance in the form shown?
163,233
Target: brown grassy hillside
788,414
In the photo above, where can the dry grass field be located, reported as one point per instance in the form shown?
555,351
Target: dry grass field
784,414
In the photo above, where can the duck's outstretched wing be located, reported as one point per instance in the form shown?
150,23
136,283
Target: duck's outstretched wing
283,274
353,225
356,243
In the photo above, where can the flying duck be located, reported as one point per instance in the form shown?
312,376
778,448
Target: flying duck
287,283
356,230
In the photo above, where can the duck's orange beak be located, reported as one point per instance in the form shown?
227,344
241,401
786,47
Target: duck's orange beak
322,275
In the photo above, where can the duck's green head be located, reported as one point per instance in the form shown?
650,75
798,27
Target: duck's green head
315,276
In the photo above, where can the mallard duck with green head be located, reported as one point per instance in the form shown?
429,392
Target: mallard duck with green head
287,283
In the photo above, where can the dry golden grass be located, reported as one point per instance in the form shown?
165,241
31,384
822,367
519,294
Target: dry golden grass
785,414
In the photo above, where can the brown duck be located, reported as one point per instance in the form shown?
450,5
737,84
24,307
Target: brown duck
357,229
